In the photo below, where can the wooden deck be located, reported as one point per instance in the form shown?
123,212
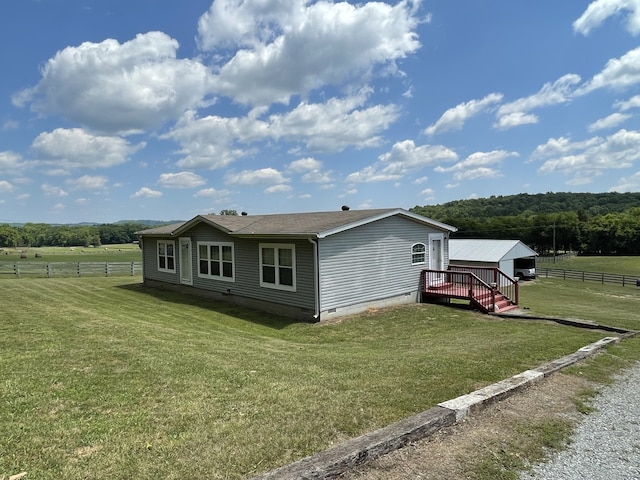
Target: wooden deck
487,289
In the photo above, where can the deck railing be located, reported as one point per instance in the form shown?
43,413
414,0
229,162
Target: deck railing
476,284
506,285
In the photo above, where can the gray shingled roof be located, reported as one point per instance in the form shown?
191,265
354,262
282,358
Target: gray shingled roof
292,224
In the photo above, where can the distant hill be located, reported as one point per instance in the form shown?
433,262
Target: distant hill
590,204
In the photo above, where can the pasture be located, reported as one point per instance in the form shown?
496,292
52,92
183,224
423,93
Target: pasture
127,252
104,378
627,265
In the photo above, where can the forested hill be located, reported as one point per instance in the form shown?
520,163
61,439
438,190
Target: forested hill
590,204
591,223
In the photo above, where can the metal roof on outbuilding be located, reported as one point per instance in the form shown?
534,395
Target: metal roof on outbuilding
486,250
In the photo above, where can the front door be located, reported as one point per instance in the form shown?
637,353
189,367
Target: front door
186,273
436,256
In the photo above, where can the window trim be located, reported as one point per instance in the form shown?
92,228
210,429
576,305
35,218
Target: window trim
166,256
277,285
220,277
423,253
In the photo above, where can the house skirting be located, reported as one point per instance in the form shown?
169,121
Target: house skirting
403,299
297,313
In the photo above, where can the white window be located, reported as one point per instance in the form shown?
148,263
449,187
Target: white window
418,253
215,260
278,266
166,256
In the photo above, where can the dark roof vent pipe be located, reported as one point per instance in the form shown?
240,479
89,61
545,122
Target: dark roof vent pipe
244,214
345,208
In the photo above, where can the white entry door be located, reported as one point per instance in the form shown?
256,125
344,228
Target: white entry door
436,256
186,269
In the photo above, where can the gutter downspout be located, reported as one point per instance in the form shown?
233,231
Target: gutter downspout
316,278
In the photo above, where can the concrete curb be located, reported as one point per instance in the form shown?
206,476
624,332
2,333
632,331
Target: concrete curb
336,460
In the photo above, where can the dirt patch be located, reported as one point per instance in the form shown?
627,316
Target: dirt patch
453,452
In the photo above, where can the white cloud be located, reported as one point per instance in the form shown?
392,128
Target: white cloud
278,189
633,102
213,193
53,191
67,149
336,124
618,73
88,182
584,160
478,165
11,161
454,118
403,158
118,88
255,177
291,48
599,10
9,125
610,121
627,184
181,180
146,192
5,187
517,112
23,196
311,170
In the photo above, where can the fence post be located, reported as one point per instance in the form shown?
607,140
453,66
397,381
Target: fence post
78,268
16,269
106,268
132,268
48,270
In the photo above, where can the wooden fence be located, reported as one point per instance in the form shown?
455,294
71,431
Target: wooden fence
614,278
68,269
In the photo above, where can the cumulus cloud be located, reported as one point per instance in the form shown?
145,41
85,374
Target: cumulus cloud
633,102
146,192
213,193
118,88
455,118
627,184
11,162
286,48
599,10
181,180
52,191
584,160
88,182
478,165
518,112
256,177
282,188
5,186
310,170
404,158
618,73
216,142
75,148
610,121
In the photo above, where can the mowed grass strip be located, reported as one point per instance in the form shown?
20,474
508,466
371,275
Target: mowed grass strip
104,378
624,265
126,252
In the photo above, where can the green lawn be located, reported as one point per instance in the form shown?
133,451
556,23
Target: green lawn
620,265
103,378
106,253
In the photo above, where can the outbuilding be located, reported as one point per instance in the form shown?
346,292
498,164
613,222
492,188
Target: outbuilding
513,257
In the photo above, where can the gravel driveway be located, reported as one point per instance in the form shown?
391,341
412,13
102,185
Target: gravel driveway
606,444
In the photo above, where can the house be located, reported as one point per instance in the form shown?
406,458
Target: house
310,266
513,257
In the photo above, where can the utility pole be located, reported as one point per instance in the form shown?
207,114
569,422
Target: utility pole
554,242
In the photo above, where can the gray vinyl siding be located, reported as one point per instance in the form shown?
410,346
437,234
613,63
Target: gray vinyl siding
372,262
150,260
247,269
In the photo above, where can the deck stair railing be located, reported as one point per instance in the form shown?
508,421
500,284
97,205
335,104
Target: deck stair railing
488,289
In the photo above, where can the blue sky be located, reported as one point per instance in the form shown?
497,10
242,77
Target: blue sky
165,109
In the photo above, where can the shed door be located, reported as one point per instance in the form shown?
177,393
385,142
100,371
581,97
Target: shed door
186,273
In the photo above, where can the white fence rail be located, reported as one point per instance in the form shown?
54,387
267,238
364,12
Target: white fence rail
69,269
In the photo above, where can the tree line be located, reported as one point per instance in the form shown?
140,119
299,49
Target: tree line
42,234
593,224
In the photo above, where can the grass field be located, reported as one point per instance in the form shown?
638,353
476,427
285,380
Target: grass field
106,253
104,378
620,265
